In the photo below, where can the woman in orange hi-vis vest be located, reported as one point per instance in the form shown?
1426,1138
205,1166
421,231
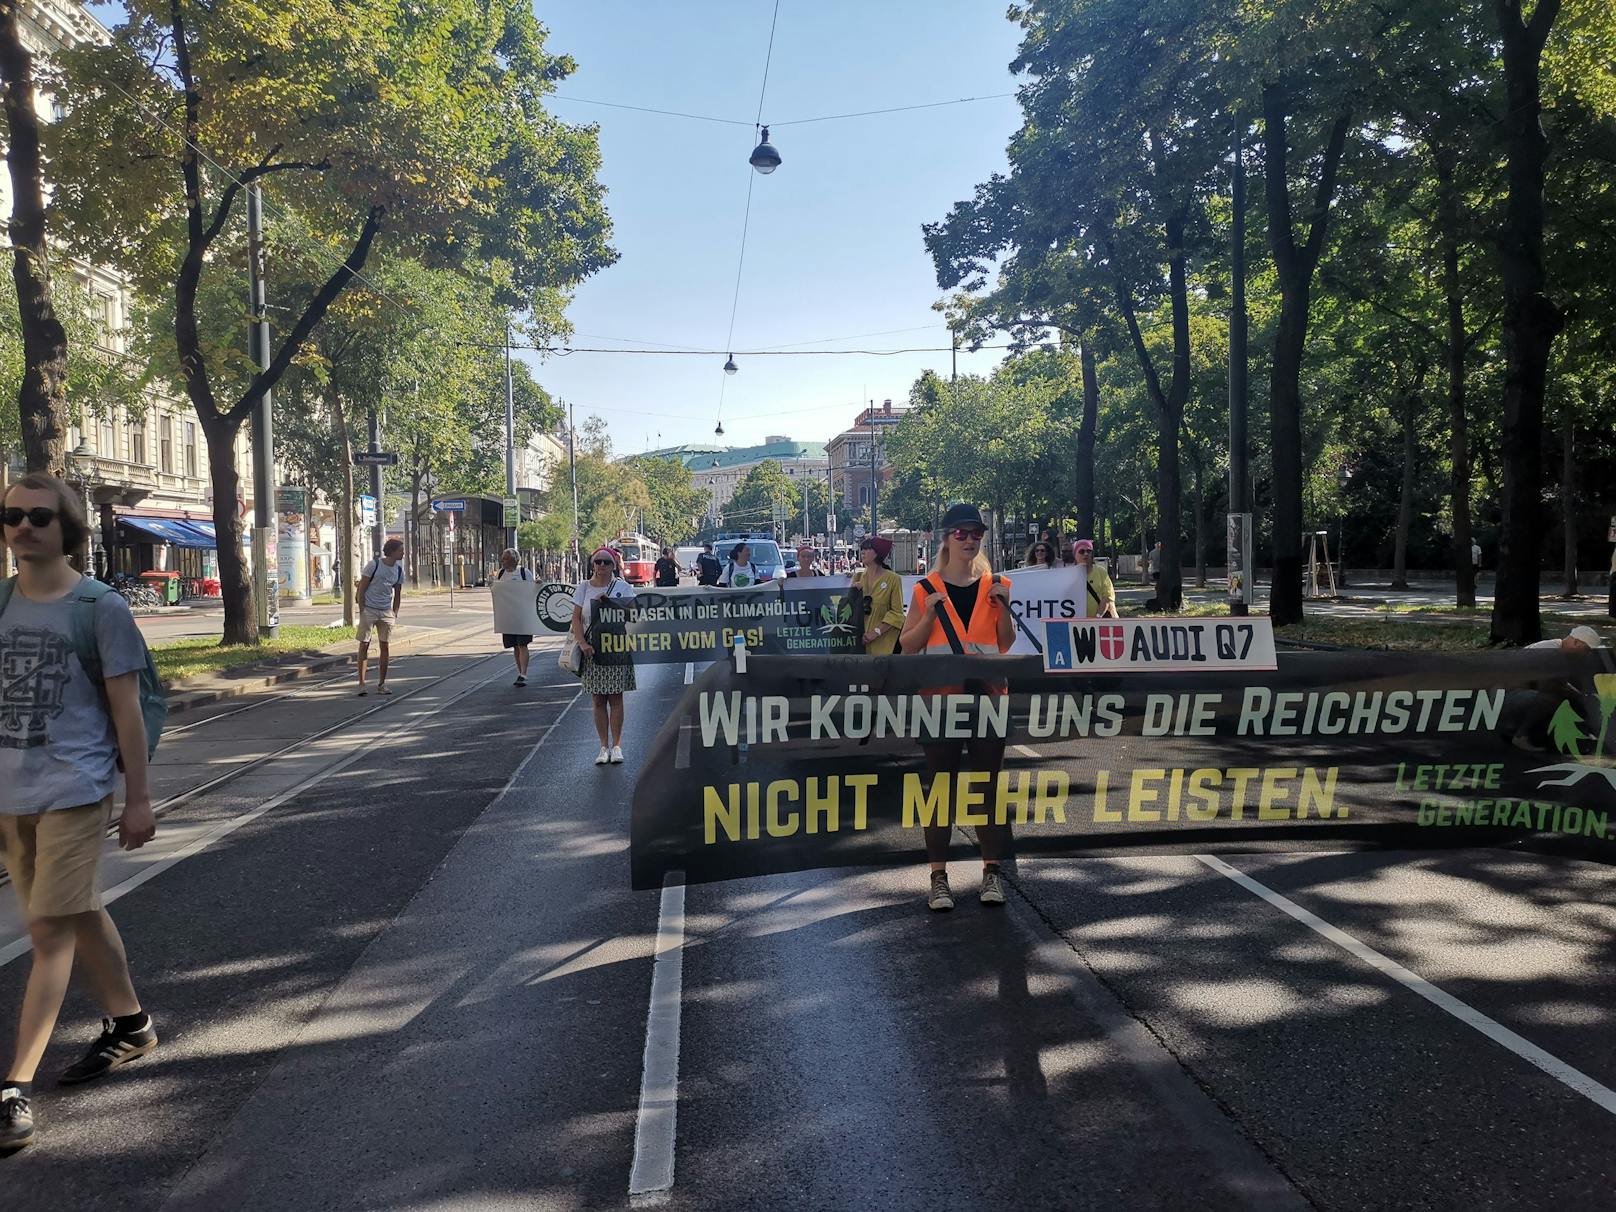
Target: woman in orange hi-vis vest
962,607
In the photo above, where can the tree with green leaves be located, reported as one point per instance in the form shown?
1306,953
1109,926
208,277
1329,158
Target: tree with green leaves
423,128
676,504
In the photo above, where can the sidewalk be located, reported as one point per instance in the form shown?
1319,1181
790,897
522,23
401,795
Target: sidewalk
186,694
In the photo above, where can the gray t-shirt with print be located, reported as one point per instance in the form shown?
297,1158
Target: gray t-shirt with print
57,748
384,577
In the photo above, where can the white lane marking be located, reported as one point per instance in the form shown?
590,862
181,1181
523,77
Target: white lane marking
690,672
22,945
651,1179
1026,751
1600,1095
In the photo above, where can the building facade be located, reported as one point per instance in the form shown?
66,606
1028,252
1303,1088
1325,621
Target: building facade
856,457
719,470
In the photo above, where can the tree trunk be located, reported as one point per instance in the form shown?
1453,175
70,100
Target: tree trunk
1200,528
1294,266
346,556
415,526
42,400
1456,347
235,584
1169,406
1085,443
1568,501
1405,502
1530,323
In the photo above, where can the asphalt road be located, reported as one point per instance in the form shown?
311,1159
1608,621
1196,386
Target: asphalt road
419,981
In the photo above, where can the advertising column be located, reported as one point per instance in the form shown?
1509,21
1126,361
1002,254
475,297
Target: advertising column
292,546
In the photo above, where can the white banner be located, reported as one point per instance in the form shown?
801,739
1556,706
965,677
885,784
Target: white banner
516,610
1036,594
1158,645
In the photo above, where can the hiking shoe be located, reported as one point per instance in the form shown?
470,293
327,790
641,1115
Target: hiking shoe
521,680
940,898
381,688
363,692
992,887
16,1120
604,756
616,755
115,1047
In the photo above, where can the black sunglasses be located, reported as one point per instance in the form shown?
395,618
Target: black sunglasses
602,563
38,517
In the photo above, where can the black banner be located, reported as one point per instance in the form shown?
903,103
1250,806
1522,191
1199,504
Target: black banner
667,626
804,764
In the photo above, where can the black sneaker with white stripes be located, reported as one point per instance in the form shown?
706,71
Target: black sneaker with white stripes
16,1120
116,1046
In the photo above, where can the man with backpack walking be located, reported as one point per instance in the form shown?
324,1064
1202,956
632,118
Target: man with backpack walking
76,691
381,588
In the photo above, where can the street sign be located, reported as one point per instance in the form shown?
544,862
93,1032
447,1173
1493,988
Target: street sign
375,458
448,505
513,512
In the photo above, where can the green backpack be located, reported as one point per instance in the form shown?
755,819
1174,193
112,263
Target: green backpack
153,699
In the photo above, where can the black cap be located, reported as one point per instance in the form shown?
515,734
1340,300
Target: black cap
962,514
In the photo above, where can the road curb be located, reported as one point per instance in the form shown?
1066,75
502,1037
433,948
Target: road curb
206,689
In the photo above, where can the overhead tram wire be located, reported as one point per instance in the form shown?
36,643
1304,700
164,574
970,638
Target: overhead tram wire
337,260
746,222
863,113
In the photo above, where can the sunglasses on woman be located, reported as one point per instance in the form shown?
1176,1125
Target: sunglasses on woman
601,563
38,517
968,532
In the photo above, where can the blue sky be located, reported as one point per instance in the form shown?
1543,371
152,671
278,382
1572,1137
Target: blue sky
834,248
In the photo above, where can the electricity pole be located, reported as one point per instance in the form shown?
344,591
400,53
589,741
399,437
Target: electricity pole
266,572
572,455
510,438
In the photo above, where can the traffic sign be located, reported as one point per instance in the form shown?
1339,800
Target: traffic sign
513,511
375,458
448,505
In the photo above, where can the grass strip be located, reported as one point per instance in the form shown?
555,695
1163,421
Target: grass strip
187,658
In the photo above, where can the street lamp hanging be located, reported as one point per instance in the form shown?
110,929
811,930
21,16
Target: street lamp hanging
765,156
729,366
719,430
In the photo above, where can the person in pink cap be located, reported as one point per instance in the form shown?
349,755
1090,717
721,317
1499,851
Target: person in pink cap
606,683
1102,594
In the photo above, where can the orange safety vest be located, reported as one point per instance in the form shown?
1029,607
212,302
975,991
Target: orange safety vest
982,636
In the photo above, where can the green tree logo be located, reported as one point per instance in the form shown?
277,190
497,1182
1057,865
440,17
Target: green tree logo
1565,729
1605,688
837,615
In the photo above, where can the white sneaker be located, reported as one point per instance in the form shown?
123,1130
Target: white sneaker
617,755
603,756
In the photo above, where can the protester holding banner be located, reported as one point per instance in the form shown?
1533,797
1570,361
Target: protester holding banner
882,591
1102,593
605,683
510,570
962,607
739,573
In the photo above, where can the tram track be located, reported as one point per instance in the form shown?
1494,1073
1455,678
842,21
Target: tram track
399,699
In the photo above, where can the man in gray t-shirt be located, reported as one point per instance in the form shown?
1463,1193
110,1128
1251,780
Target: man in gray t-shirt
61,736
381,588
57,748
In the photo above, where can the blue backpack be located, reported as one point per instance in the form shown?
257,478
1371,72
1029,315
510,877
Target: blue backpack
153,699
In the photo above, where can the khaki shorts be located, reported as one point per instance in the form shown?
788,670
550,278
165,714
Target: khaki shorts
54,858
382,620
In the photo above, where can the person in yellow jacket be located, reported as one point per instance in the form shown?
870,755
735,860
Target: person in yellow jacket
962,607
882,591
1102,593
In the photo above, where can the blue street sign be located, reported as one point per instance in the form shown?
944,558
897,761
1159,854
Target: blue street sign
448,505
